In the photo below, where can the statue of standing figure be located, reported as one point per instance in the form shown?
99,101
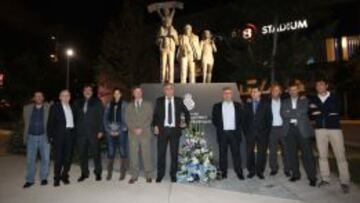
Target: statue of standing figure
188,53
207,50
167,38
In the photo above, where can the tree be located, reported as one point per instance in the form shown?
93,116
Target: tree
118,63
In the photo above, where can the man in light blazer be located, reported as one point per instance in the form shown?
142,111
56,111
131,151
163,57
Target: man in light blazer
298,131
35,117
138,118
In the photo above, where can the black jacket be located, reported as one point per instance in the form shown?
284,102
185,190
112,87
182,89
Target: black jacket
159,112
90,123
258,124
56,125
217,119
329,116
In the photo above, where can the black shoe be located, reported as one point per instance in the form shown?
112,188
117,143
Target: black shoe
56,183
65,181
44,182
98,177
251,175
27,185
240,176
323,183
260,176
287,174
132,180
82,178
223,176
173,179
273,173
294,179
158,180
345,188
312,183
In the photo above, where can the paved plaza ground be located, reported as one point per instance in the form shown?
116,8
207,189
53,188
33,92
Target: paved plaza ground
271,190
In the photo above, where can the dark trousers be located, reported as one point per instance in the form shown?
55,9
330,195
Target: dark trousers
89,145
172,136
64,146
276,139
295,142
229,139
256,162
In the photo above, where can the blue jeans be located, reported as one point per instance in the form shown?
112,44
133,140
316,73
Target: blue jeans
120,142
35,144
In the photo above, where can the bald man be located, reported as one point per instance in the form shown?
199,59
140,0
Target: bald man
61,134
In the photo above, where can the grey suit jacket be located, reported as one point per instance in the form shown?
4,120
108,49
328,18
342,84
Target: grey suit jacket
300,113
139,118
27,111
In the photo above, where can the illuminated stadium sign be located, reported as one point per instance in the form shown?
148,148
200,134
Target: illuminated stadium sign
283,27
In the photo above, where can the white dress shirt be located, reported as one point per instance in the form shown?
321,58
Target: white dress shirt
294,105
294,102
228,115
323,98
172,124
68,115
138,103
275,108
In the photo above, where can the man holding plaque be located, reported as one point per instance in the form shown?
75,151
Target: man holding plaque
168,124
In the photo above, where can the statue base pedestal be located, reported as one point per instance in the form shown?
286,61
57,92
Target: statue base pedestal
199,99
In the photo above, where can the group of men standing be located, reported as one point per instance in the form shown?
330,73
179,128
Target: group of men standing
128,127
57,125
267,123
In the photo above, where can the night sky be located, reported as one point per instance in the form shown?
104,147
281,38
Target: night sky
77,23
27,27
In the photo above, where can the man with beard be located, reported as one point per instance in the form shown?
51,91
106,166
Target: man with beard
89,114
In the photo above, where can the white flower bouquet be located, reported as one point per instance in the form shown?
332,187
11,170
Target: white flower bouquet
195,158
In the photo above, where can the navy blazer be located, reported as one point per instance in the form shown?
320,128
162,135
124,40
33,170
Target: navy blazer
327,114
258,124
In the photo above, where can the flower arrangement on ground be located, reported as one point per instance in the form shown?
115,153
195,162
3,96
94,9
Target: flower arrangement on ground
195,158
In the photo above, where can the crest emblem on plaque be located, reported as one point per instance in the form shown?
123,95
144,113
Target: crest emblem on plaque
189,102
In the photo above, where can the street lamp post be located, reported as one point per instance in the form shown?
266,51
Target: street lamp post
69,54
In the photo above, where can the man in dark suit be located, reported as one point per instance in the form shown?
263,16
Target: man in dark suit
226,117
60,129
168,124
298,131
89,111
257,126
277,136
